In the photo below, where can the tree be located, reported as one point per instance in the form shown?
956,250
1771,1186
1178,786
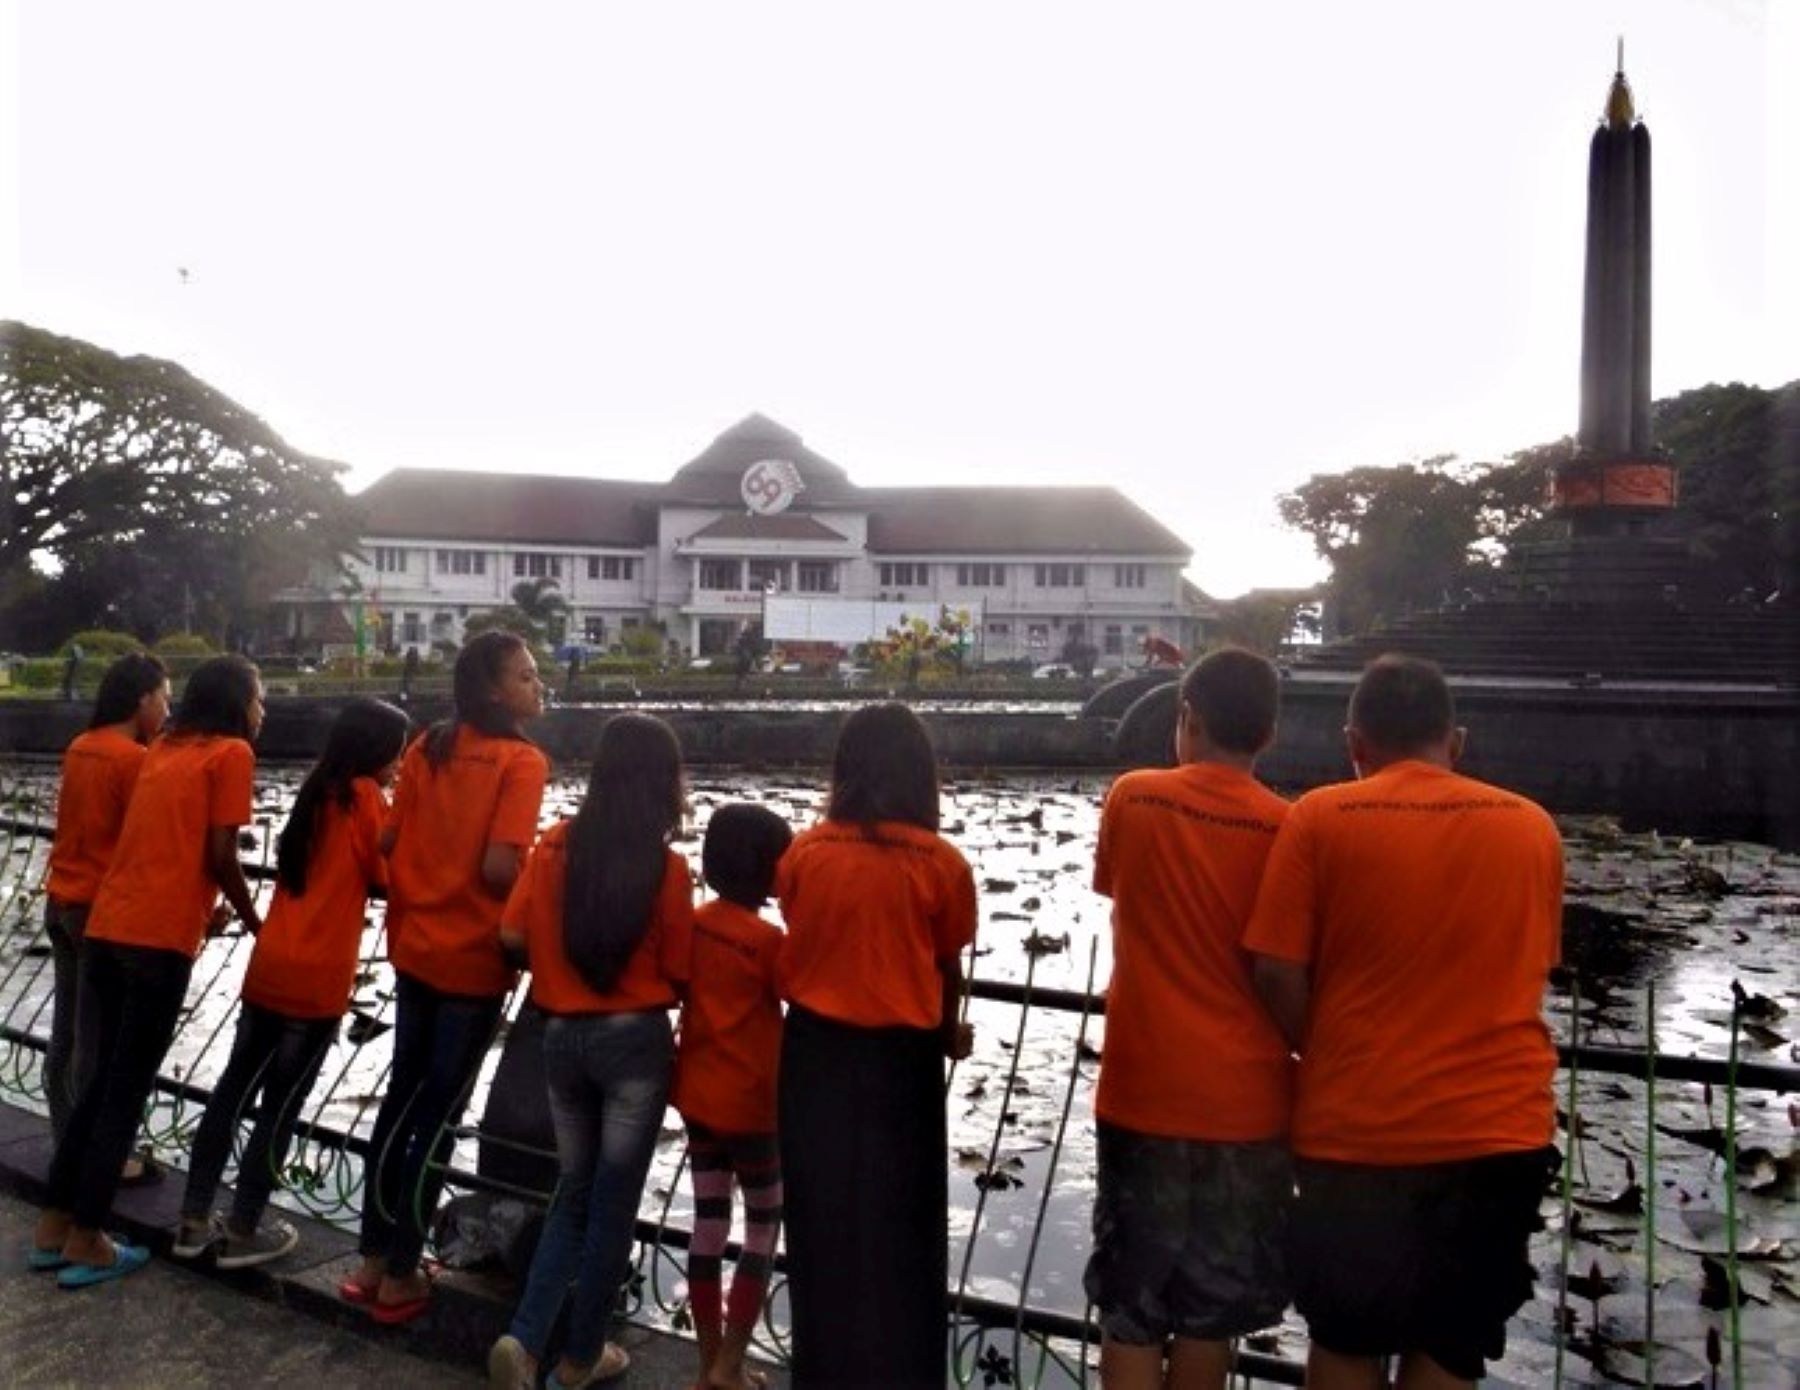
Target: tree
1266,620
1398,538
134,490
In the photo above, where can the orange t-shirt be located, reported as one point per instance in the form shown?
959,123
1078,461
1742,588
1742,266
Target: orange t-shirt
731,1023
304,964
159,892
535,912
443,924
1190,1051
99,769
1429,907
869,915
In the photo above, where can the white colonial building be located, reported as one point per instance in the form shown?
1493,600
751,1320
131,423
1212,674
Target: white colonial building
745,532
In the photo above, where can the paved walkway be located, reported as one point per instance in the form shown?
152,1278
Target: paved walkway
167,1326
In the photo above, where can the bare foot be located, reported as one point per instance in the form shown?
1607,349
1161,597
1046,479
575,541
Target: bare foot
52,1230
89,1248
405,1288
368,1277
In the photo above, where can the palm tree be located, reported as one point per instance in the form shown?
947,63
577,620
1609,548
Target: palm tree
543,605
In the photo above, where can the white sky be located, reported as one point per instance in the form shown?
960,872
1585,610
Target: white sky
1196,251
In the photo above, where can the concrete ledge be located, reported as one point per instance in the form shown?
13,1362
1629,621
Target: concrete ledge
469,1308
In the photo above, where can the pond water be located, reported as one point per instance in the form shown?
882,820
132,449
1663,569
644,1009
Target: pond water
1689,920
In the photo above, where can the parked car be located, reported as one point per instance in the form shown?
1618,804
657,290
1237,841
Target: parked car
1054,671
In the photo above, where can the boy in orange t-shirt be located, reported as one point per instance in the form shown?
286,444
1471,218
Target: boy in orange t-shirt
1404,933
1192,1105
725,1083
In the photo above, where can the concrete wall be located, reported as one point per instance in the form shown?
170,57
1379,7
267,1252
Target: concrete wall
1684,762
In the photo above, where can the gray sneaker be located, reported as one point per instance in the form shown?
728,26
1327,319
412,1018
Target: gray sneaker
197,1235
270,1241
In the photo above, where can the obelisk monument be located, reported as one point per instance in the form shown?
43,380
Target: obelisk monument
1617,482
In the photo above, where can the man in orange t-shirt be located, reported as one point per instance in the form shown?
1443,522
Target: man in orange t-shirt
1192,1106
1405,930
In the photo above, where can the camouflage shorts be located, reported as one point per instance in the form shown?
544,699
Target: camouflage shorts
1188,1237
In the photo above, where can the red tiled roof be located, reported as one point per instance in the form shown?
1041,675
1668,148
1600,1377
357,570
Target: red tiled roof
1014,521
442,504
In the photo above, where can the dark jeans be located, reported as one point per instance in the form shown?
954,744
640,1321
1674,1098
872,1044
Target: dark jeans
274,1061
69,1060
439,1041
136,993
609,1089
866,1174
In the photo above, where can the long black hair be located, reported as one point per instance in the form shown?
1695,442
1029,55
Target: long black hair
366,736
216,698
616,845
479,666
123,687
884,769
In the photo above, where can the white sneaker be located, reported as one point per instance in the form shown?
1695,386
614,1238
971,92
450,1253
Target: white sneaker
270,1241
197,1235
509,1365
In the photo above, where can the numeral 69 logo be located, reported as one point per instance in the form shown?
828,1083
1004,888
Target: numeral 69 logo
770,485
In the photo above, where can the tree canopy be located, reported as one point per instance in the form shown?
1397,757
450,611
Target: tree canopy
1412,535
136,495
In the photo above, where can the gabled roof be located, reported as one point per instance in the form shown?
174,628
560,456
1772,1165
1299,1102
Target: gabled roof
713,477
443,504
1014,521
783,526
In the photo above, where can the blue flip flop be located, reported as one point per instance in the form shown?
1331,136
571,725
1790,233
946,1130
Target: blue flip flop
41,1261
127,1259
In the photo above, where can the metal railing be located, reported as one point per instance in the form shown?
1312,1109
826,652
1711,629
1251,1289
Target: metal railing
993,1340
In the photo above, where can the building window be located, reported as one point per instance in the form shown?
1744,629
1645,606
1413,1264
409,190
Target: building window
1037,636
818,577
534,564
593,630
981,576
626,624
462,562
999,629
1060,576
612,567
905,574
390,559
412,632
1114,640
769,574
719,574
1128,576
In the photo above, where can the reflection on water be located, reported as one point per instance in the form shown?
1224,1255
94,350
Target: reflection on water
1691,919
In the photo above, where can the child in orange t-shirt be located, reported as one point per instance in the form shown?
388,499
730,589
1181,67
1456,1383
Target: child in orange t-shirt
99,770
298,985
725,1083
464,814
177,852
604,912
878,907
1192,1107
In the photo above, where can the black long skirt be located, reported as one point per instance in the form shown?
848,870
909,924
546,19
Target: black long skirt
865,1169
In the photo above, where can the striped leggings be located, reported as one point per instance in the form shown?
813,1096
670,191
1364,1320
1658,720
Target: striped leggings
715,1160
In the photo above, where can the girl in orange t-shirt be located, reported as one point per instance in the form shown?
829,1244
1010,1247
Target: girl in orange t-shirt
464,814
878,908
99,769
177,852
725,1084
298,986
604,912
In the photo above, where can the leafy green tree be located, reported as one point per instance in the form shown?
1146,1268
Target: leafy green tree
1397,538
1266,620
137,495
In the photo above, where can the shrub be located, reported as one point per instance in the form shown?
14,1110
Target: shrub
183,644
102,642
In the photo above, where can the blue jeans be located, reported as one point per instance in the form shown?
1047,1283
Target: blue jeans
439,1041
609,1089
